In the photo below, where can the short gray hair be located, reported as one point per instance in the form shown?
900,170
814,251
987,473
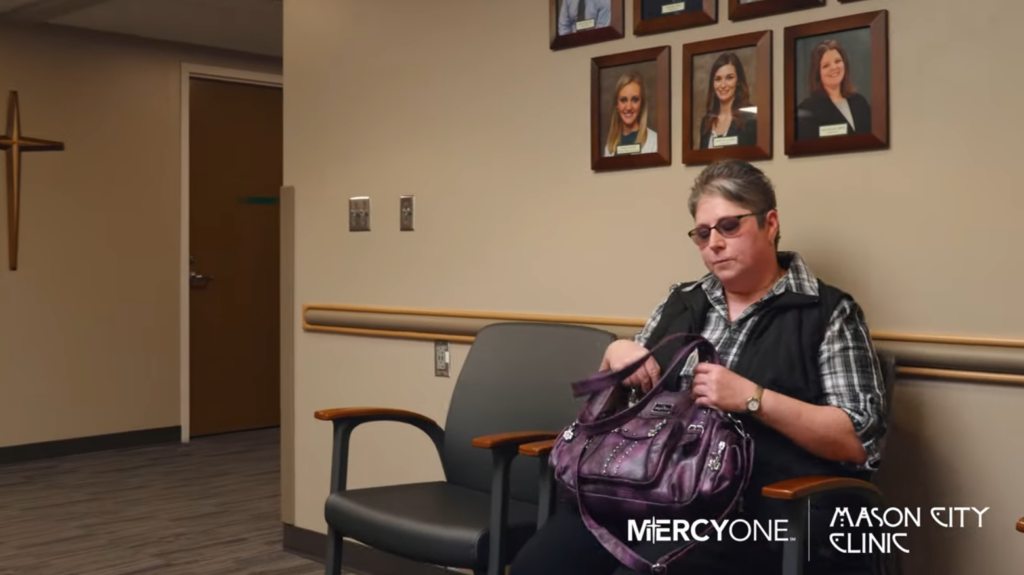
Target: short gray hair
740,183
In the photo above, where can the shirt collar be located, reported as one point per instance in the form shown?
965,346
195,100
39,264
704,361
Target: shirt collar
799,280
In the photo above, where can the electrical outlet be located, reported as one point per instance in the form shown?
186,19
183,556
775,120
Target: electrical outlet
406,205
359,214
442,359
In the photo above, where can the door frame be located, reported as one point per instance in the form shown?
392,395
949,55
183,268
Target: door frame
188,72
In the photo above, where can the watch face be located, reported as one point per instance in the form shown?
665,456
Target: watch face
753,404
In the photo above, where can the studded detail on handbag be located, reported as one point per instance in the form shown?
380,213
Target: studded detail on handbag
661,457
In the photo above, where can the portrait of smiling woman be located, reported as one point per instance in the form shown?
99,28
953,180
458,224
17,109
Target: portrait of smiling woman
833,106
628,131
727,118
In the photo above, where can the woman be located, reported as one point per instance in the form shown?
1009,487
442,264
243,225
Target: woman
833,108
628,127
797,343
724,117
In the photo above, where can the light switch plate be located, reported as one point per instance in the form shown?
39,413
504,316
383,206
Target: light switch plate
359,214
406,206
442,359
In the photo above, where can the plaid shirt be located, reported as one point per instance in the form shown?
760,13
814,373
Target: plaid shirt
850,373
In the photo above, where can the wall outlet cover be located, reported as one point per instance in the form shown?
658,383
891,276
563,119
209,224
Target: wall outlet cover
442,359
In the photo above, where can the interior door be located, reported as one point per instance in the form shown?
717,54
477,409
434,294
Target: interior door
235,176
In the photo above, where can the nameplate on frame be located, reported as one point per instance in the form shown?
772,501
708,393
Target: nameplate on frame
725,141
834,130
670,8
624,150
586,24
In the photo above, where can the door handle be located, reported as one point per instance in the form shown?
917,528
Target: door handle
198,280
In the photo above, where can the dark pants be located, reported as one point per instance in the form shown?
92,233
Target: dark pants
564,546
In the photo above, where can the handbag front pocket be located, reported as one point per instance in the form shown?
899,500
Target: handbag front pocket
635,453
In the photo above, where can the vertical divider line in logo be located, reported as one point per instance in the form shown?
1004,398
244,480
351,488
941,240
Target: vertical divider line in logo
808,530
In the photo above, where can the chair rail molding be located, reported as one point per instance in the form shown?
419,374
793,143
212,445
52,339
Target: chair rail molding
991,360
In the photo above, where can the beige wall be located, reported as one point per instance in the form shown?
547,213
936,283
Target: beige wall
462,104
89,322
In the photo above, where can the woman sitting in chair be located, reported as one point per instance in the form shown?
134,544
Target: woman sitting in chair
798,369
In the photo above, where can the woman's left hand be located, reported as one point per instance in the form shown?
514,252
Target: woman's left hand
715,386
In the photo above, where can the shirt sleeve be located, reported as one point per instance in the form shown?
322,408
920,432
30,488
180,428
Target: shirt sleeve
852,378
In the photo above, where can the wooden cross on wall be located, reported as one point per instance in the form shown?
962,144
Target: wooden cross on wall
13,143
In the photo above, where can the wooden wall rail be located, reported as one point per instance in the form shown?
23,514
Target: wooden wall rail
961,358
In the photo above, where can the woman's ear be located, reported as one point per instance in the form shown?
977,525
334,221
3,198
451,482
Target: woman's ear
772,221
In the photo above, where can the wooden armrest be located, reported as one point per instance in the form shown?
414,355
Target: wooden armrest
801,487
370,413
513,438
537,448
1020,525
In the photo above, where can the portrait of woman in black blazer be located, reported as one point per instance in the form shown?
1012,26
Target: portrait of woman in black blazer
833,108
724,117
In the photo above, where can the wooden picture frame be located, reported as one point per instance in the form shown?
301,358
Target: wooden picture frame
606,22
690,14
814,124
739,10
744,63
616,75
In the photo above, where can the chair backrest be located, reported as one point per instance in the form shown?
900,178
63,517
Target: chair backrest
516,377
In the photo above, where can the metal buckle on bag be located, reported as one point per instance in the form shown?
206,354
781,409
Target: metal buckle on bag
695,427
658,569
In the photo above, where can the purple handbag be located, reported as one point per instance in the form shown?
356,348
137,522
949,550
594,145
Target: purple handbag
662,458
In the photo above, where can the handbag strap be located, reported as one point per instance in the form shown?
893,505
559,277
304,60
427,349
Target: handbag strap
610,378
630,558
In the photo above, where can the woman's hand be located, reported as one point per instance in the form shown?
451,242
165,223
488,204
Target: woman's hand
715,386
624,352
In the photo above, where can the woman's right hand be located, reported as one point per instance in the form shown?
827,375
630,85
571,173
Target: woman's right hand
624,352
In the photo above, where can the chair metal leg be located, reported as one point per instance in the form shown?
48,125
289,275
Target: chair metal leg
499,511
546,496
332,566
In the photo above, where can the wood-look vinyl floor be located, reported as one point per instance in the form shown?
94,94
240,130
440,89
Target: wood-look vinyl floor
211,507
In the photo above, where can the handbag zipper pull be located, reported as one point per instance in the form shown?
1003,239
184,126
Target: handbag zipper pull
716,461
570,431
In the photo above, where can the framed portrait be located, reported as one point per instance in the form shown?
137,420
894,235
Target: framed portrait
581,22
630,111
747,9
837,85
727,98
656,16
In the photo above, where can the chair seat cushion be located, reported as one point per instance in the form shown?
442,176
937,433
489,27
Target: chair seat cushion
436,522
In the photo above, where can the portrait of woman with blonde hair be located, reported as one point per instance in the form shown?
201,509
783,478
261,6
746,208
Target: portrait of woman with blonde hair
833,107
628,132
725,122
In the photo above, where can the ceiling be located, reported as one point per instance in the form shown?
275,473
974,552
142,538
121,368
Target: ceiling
253,26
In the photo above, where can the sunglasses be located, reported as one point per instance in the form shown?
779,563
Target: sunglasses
727,226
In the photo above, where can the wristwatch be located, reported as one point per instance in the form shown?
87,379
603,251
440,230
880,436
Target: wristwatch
754,403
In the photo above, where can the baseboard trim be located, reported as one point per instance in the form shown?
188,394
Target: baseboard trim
82,445
355,558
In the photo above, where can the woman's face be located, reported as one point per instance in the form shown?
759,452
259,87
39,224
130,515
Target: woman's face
628,104
725,82
832,69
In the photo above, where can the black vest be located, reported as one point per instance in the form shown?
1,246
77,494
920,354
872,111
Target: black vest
781,354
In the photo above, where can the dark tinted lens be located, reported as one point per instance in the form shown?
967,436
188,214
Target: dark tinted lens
703,233
728,225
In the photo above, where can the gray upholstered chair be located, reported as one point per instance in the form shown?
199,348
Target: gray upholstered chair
514,388
795,493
